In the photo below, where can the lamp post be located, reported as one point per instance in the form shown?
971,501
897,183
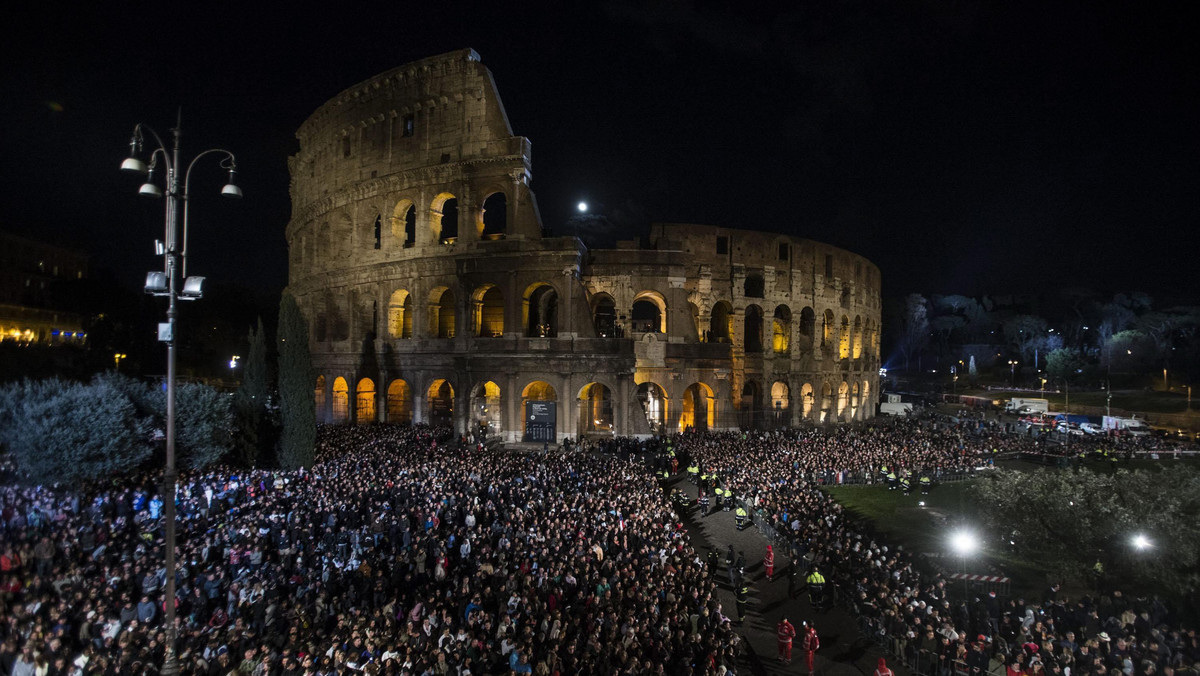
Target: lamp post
964,543
173,249
1012,372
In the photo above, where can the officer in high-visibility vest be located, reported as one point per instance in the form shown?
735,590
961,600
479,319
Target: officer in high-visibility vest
693,473
883,472
926,484
891,479
739,517
703,505
816,587
906,485
728,499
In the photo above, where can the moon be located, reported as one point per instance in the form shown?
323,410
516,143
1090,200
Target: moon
582,207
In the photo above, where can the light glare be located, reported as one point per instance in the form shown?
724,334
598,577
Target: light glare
582,206
1141,541
964,542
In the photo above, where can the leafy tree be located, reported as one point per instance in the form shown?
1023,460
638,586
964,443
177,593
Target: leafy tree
252,398
1025,333
1065,364
297,402
1067,521
203,425
68,432
914,326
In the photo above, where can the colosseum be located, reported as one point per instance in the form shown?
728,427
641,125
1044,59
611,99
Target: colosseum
434,294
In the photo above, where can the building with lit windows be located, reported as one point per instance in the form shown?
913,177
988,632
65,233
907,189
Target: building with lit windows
28,272
433,294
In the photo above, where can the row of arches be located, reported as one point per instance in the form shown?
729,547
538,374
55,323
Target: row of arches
487,317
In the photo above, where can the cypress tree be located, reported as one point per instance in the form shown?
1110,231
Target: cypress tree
252,398
297,403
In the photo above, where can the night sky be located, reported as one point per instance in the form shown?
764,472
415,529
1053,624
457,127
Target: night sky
964,147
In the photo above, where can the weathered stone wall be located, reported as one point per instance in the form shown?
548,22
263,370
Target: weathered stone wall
414,319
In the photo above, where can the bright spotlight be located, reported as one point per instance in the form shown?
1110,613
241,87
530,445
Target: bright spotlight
1141,541
582,207
964,543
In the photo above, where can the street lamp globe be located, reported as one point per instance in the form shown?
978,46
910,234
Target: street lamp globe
964,542
1141,542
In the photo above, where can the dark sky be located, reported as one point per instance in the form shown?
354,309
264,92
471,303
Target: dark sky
964,147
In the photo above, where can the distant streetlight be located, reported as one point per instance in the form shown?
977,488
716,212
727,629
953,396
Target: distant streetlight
1140,542
117,360
964,543
233,361
167,283
1012,372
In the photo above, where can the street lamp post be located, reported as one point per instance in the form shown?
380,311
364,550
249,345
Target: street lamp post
964,543
167,283
1012,372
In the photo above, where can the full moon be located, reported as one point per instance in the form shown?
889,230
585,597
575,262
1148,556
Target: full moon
582,206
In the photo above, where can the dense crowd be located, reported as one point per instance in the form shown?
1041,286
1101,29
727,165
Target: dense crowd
779,474
393,555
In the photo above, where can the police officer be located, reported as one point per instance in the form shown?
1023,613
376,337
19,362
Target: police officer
693,473
739,517
743,597
816,587
703,505
728,499
714,560
906,486
926,484
891,479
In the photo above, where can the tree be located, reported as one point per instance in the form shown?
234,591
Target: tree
914,326
203,425
297,403
251,400
71,432
1064,364
1067,521
1025,333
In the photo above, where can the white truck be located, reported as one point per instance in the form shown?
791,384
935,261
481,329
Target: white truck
1132,426
895,408
1025,405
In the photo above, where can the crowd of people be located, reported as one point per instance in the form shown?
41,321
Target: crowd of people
779,474
392,555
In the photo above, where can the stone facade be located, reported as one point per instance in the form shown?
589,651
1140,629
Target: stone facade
433,295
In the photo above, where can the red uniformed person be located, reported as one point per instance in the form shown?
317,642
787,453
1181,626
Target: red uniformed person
785,632
769,563
882,669
810,644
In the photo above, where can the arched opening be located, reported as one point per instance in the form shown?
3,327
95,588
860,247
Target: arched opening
753,286
539,412
541,311
649,313
604,315
399,402
441,313
854,405
827,330
781,329
486,410
489,312
753,329
654,403
441,403
378,230
750,413
844,339
694,312
400,314
808,321
826,414
404,223
595,409
364,402
865,404
806,401
699,408
319,398
781,404
341,400
443,218
720,325
856,344
494,217
843,401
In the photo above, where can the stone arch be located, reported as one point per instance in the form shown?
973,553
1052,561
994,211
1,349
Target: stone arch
604,315
826,413
865,402
399,402
440,403
653,398
341,400
493,216
364,402
843,400
487,311
751,409
806,401
539,310
400,315
442,312
319,398
699,408
827,329
781,329
844,339
781,404
694,313
404,223
852,414
856,339
720,325
752,329
807,329
487,409
377,231
443,218
649,312
595,408
536,390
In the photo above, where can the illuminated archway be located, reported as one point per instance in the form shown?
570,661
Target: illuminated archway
441,313
488,311
808,322
827,329
595,408
440,398
443,218
649,312
604,315
699,408
487,409
781,337
843,401
404,223
493,217
806,401
400,314
854,404
537,391
653,399
540,311
319,398
364,402
844,339
720,325
399,402
856,340
826,413
341,400
781,404
866,404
